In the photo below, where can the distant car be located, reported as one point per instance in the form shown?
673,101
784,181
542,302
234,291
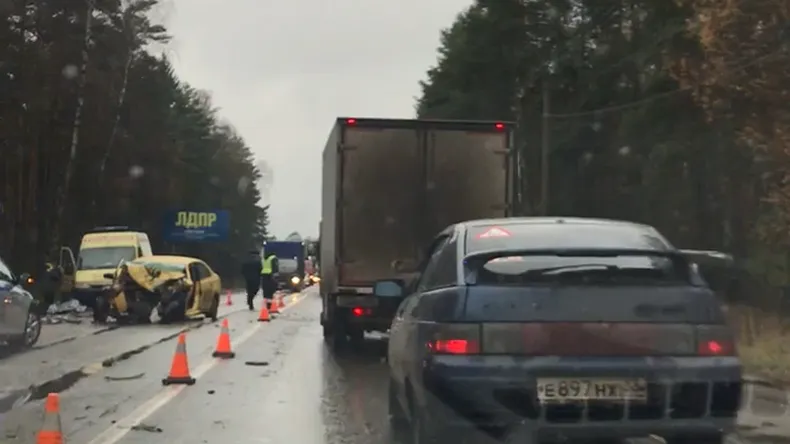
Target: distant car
20,322
560,329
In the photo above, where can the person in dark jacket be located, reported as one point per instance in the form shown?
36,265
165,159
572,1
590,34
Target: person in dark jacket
49,284
251,270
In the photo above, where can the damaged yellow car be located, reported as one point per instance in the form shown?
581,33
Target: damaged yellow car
173,287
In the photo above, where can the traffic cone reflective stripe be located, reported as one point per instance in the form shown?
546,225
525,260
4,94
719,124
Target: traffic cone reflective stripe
179,369
263,316
51,432
228,300
223,343
274,308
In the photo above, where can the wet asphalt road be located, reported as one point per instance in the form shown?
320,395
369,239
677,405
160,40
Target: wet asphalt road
283,386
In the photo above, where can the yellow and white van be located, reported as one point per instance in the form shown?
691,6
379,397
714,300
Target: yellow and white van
101,250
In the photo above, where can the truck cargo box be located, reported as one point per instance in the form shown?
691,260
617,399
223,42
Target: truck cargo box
389,186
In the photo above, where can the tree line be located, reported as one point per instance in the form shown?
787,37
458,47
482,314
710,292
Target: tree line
96,130
672,113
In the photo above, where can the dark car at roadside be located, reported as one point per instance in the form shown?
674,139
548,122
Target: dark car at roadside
554,329
20,320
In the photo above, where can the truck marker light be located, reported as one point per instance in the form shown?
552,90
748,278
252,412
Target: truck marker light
499,126
351,121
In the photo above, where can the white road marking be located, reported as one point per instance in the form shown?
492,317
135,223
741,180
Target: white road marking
119,429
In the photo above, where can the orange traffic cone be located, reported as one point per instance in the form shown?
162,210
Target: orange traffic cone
228,301
264,314
223,344
280,303
50,432
179,369
275,308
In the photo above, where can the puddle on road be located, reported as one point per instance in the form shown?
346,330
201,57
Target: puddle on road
16,398
12,399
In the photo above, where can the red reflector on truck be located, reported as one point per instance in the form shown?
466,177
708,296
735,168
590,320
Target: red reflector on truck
359,311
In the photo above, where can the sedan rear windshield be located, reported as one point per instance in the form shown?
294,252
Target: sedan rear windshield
581,270
553,235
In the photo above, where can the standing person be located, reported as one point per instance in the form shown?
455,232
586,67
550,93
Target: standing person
269,269
251,270
49,284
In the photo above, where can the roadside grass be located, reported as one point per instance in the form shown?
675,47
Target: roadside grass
763,342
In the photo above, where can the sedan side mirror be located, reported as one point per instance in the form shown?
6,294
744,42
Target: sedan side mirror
388,288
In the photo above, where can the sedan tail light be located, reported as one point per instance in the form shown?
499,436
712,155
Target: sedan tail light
715,340
455,339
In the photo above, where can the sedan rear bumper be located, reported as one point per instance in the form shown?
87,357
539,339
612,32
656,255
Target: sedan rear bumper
688,395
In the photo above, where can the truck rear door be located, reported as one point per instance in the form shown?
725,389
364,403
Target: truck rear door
468,174
379,200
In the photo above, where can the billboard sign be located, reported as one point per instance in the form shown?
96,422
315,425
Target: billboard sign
196,226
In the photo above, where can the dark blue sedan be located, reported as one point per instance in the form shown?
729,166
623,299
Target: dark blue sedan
559,329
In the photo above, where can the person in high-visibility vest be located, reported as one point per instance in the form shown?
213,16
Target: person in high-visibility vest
269,269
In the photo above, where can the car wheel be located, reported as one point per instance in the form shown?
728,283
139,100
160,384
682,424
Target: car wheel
327,332
339,338
399,424
357,336
32,332
710,438
101,310
422,431
214,310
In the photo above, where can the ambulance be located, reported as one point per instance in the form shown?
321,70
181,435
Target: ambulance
101,250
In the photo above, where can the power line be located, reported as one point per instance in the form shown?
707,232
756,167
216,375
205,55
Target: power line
620,107
658,96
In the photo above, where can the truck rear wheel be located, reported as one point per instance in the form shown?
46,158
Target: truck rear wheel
338,332
327,332
357,335
338,341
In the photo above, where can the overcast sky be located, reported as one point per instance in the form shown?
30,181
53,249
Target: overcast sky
281,71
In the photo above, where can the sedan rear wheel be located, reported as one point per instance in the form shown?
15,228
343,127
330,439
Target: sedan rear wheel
399,424
423,432
30,335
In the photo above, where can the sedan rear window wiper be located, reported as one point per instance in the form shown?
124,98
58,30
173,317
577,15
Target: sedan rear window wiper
571,268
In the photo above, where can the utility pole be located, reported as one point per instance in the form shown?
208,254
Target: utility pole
544,151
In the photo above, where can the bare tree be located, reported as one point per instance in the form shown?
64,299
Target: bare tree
62,194
137,33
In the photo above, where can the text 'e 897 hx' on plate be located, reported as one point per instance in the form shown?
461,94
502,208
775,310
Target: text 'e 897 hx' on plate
562,390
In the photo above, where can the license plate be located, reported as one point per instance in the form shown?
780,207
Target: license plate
357,301
552,390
